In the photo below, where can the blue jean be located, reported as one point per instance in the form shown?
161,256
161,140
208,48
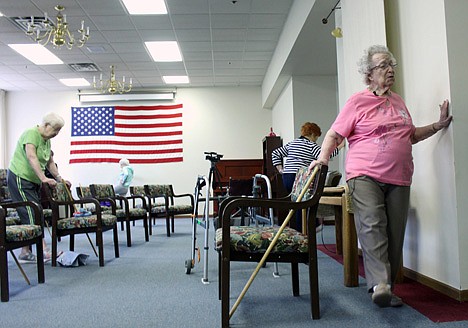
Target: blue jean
288,182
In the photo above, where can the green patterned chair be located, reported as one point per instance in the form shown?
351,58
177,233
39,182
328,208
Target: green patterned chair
171,208
17,236
150,203
127,213
69,225
249,243
85,192
11,214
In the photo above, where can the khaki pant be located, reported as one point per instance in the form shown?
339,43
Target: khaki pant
380,215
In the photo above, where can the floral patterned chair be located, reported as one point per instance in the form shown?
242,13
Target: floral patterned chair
250,243
127,213
150,203
11,214
85,192
170,209
17,236
69,225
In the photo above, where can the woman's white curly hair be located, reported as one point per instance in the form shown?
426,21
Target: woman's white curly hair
365,64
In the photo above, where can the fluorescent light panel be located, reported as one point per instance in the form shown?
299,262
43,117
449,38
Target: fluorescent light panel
79,82
175,79
164,51
36,53
145,7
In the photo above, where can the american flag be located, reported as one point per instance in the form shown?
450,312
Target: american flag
142,134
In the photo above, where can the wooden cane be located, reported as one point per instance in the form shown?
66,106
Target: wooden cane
20,267
77,210
273,242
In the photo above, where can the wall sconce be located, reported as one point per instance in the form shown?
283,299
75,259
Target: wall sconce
337,33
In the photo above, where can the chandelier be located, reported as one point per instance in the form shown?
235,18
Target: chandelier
57,34
112,85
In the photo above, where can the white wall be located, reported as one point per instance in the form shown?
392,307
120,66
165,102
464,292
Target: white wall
283,114
315,100
457,25
229,121
417,34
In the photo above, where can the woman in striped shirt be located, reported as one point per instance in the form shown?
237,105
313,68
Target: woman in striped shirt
298,153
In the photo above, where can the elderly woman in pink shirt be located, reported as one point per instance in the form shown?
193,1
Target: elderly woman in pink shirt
379,167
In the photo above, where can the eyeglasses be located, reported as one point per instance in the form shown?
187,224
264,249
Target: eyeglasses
384,66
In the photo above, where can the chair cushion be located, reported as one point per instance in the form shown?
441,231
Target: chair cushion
302,176
22,232
103,190
132,211
180,209
47,213
252,239
12,220
137,190
159,190
85,221
158,209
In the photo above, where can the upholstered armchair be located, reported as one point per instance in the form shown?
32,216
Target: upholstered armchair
156,202
69,225
250,243
17,236
126,213
171,208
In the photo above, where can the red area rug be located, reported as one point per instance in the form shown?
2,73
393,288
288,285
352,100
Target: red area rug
435,306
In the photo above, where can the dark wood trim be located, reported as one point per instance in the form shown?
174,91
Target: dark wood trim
459,295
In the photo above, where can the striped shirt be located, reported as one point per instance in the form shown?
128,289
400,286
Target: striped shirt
299,153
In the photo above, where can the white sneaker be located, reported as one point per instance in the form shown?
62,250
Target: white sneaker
27,258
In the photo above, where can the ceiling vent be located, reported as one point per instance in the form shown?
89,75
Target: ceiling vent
22,23
84,67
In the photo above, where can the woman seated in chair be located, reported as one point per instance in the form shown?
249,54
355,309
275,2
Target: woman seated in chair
125,178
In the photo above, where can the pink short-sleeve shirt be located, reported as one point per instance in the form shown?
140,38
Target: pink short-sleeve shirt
379,131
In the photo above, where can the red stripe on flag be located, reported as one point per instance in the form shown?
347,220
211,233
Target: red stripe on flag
144,126
131,160
126,143
145,117
161,107
126,152
148,134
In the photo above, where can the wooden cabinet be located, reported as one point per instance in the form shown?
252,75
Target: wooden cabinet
277,188
270,144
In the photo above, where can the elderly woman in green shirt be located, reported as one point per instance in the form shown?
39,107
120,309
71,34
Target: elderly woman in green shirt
25,175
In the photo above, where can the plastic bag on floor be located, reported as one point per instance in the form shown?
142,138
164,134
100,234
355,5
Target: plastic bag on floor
72,259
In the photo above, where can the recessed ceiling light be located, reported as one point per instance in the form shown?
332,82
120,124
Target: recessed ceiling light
175,79
145,7
79,82
36,53
164,51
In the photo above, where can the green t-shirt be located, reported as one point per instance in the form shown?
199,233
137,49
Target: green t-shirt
19,164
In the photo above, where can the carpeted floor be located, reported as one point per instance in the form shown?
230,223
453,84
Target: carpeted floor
429,302
148,287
